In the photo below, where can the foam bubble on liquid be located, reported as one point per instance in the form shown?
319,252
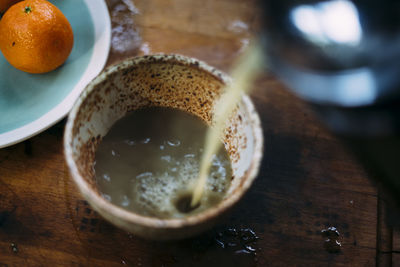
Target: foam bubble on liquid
107,177
144,175
174,143
130,142
125,201
114,153
166,158
157,193
146,140
107,197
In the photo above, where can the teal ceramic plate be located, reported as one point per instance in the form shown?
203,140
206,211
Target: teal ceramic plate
30,103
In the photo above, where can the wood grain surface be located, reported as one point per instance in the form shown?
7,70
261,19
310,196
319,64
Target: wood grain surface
308,181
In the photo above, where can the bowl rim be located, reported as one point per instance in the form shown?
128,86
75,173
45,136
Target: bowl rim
173,223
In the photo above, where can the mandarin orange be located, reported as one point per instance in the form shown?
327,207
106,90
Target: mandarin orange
35,36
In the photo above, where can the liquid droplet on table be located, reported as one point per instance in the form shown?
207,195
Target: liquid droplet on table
14,247
331,243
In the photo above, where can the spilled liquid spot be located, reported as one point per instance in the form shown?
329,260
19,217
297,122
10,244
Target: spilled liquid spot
242,240
331,243
226,246
145,48
14,247
125,35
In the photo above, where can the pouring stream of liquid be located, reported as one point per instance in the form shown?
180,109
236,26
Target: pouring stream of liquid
244,73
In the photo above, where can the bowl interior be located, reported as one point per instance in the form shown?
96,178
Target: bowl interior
160,81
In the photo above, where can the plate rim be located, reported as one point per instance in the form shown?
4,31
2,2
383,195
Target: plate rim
102,28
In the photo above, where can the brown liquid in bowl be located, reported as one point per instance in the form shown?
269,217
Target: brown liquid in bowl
149,162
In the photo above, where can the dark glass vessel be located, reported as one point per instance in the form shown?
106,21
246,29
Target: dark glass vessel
343,58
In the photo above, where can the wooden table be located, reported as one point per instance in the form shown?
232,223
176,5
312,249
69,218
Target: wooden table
308,181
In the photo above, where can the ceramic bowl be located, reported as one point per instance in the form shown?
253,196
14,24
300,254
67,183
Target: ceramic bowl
159,81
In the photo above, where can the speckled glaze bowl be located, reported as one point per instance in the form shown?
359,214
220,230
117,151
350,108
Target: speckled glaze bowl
166,81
